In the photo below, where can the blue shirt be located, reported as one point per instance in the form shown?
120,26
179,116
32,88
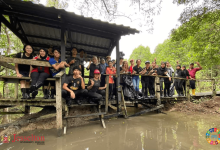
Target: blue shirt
102,68
53,71
106,64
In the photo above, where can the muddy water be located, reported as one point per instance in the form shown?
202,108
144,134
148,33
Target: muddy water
171,131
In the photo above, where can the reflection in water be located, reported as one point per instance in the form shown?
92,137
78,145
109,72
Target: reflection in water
148,132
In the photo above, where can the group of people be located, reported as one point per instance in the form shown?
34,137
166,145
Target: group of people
74,85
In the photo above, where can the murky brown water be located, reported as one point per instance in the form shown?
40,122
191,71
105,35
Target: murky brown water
171,131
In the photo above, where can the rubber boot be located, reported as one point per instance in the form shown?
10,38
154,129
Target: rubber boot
32,88
34,94
23,93
52,94
46,96
193,91
28,93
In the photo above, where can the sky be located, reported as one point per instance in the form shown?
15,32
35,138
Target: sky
163,24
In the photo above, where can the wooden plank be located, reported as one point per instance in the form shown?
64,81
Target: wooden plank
24,78
60,74
24,61
147,110
106,93
10,113
6,65
16,90
87,115
187,90
123,100
59,107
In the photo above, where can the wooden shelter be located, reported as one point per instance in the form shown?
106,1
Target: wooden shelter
42,26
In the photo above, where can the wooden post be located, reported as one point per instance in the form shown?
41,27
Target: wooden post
187,90
27,110
16,90
118,92
106,93
123,100
59,107
213,88
157,80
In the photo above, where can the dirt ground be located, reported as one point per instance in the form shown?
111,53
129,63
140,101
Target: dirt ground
203,106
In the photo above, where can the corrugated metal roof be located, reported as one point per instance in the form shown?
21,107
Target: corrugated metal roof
42,27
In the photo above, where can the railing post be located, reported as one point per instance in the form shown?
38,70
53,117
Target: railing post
157,80
106,93
59,106
16,90
187,90
213,88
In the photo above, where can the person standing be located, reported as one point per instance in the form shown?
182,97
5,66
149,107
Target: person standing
170,72
57,65
131,66
137,70
108,58
95,91
178,83
73,60
152,79
102,71
192,73
186,76
121,62
93,65
112,72
145,79
81,57
74,87
24,71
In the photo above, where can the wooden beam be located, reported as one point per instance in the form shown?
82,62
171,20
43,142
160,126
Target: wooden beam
213,88
8,113
59,107
106,93
187,90
6,65
157,80
7,24
24,61
53,39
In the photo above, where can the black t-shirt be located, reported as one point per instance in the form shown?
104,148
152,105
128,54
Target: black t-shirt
179,73
92,68
73,84
185,73
77,63
96,85
161,72
138,70
22,67
145,78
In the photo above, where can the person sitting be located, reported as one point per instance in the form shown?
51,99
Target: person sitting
102,71
24,71
73,60
178,83
93,66
74,87
94,90
50,52
163,71
57,65
40,74
112,72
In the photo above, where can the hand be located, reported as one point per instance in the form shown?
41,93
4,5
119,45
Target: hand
92,82
177,61
134,72
38,57
154,74
152,71
169,78
105,85
165,72
73,61
155,59
72,95
197,63
90,62
19,75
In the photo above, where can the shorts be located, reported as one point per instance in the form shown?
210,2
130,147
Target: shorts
24,74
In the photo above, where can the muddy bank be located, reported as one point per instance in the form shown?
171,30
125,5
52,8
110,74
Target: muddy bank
46,119
202,106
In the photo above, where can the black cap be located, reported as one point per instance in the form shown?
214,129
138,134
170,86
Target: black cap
178,66
147,62
76,67
113,59
191,63
121,58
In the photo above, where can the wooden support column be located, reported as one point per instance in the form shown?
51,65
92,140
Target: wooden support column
213,88
106,93
157,80
118,89
187,90
59,107
16,90
27,110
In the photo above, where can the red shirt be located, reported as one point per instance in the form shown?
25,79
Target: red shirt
46,69
110,71
193,71
130,69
